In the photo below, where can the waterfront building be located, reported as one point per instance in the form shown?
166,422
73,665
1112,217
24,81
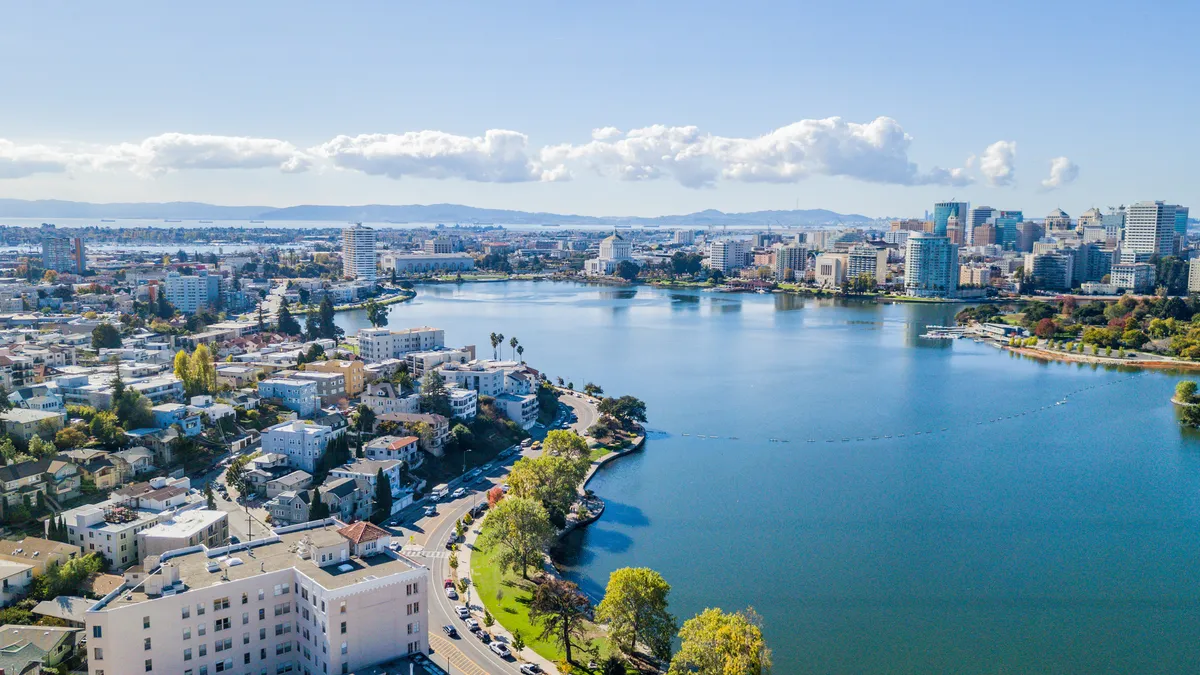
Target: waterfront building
930,266
381,344
1136,277
301,442
420,263
865,259
321,597
614,249
358,253
64,254
829,270
791,261
1149,230
1051,270
190,292
294,394
942,212
352,372
974,275
728,255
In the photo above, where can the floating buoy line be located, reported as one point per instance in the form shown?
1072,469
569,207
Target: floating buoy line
927,432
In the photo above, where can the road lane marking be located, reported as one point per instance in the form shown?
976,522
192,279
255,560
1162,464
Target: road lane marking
446,649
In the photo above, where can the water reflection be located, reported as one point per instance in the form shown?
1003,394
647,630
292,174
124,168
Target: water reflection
786,302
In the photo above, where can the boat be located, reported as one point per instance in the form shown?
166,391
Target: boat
549,224
206,222
255,221
168,220
762,291
107,220
939,335
622,227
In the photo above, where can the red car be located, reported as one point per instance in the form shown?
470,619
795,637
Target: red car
449,583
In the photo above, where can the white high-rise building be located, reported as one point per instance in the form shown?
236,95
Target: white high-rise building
189,292
930,266
320,597
685,237
358,253
790,258
1149,230
728,255
866,259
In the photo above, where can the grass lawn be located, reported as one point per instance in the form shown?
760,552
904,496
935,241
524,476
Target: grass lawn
512,609
597,453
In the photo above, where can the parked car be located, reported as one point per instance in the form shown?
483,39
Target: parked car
431,510
482,635
451,541
462,612
448,583
500,649
451,593
458,493
472,624
531,669
450,630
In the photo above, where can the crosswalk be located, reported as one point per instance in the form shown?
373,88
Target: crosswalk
444,650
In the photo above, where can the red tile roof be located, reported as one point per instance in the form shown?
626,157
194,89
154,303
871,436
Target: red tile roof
363,531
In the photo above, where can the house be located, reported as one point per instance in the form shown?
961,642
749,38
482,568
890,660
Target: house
331,387
403,448
353,373
439,426
367,470
15,579
21,482
138,459
294,481
303,442
383,399
520,408
38,397
161,442
204,406
37,552
68,608
63,480
25,423
28,650
296,395
366,538
168,414
104,470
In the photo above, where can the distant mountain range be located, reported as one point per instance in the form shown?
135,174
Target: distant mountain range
413,213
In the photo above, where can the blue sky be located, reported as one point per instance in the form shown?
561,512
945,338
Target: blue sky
285,103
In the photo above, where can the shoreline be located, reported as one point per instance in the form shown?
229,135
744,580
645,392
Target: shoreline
1048,355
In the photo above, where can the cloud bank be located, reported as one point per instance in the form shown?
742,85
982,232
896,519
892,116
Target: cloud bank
877,152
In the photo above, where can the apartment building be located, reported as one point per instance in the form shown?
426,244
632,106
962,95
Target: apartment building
380,344
296,395
320,597
181,530
188,293
382,398
302,442
420,363
64,254
358,253
331,387
403,448
353,373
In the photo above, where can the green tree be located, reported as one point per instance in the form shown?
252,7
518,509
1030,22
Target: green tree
718,643
377,314
613,665
209,498
106,336
329,329
518,642
553,480
163,309
383,497
286,323
520,530
183,371
592,389
562,610
513,343
626,410
1185,391
496,339
565,442
317,508
434,396
635,609
203,371
627,270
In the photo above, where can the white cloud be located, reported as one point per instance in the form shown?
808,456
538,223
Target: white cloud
875,152
499,156
176,151
996,164
1062,172
17,161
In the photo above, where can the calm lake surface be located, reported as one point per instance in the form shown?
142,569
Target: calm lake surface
1063,540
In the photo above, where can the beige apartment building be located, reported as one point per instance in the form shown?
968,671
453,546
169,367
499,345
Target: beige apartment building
320,598
353,371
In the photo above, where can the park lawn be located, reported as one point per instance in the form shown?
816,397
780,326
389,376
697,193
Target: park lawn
512,610
597,453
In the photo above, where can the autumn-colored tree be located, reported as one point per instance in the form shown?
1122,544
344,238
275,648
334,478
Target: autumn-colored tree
494,496
1046,328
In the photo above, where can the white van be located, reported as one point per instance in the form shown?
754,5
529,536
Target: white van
439,492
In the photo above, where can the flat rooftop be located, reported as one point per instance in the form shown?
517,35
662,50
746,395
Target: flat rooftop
185,523
258,558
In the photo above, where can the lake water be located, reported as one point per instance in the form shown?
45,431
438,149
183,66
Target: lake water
1062,540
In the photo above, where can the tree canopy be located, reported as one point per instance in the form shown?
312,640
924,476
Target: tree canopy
635,609
719,643
520,530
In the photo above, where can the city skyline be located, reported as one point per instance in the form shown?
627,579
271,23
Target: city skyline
609,117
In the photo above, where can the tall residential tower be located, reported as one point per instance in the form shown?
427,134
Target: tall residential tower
358,253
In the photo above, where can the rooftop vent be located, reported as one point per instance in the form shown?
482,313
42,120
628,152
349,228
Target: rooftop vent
345,567
213,566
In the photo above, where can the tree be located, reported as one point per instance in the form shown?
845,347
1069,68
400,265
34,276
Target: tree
329,329
592,389
496,339
488,620
201,371
210,499
562,610
635,609
1134,338
553,480
364,421
312,324
627,270
613,665
434,396
317,508
71,437
513,343
106,429
377,314
106,336
287,324
1190,416
39,448
626,410
494,496
716,643
520,529
518,642
235,475
383,497
521,353
1046,328
566,443
1185,391
163,309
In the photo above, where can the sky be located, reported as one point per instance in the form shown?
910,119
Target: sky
615,108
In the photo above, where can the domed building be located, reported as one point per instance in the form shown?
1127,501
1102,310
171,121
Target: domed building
1059,220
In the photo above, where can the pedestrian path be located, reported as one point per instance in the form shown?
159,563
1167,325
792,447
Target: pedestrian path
444,651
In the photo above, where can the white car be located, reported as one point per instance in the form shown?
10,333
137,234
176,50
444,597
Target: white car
500,649
472,624
531,669
451,593
463,612
458,493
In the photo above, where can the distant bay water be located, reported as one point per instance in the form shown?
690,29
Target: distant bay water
1023,517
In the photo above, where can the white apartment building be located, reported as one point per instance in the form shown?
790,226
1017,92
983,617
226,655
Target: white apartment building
297,395
520,408
358,253
403,448
728,255
685,237
482,376
1149,231
1193,285
184,529
320,597
188,293
464,403
381,344
790,258
930,266
868,260
302,442
420,363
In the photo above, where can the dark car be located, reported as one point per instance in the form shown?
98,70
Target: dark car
450,630
482,635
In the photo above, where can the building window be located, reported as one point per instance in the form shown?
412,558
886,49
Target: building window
220,604
343,628
95,631
145,622
187,654
146,644
97,654
149,665
187,633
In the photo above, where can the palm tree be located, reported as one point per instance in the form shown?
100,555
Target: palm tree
513,343
521,352
497,340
